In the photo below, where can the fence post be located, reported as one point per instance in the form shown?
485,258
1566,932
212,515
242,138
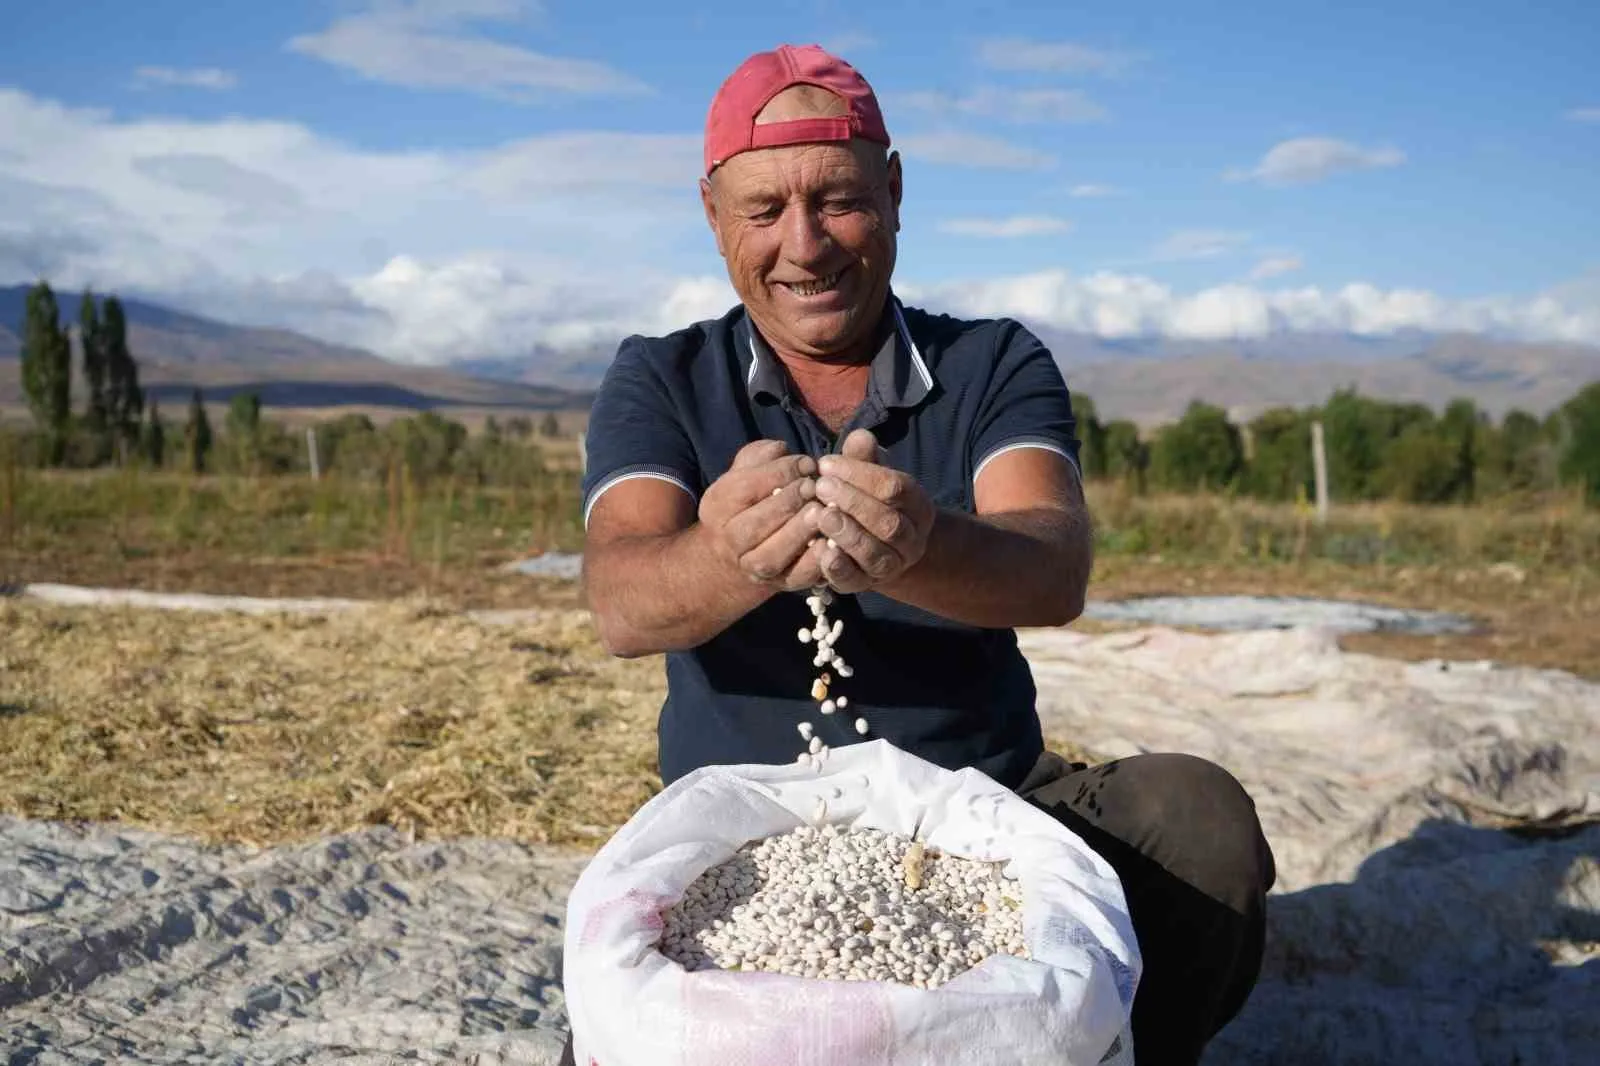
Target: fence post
311,450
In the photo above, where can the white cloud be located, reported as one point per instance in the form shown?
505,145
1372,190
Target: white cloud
433,311
432,256
1198,244
228,215
426,44
1273,266
197,78
1016,226
1584,114
972,150
1051,57
1008,105
1087,191
1307,159
1123,306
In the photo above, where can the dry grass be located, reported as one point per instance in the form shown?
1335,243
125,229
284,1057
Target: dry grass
269,729
265,729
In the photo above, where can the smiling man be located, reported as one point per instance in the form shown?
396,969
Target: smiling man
925,469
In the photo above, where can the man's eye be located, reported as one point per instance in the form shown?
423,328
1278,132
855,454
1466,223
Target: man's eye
842,204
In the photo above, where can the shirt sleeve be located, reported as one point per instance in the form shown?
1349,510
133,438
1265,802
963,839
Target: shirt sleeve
634,431
1028,405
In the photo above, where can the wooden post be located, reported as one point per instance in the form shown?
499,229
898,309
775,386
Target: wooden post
1319,464
311,450
583,457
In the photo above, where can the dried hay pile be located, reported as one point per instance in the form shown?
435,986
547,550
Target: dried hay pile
266,729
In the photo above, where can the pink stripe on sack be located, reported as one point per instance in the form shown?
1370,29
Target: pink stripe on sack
635,907
762,1019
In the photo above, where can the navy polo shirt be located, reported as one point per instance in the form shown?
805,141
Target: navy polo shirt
945,395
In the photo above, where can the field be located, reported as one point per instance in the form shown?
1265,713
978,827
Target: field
415,714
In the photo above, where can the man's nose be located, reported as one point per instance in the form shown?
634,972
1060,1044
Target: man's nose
805,237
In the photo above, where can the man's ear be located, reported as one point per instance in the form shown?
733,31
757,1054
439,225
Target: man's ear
708,201
896,186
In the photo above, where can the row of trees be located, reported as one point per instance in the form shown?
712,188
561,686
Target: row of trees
108,429
1376,449
110,423
116,424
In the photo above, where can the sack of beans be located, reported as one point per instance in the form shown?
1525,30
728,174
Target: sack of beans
859,910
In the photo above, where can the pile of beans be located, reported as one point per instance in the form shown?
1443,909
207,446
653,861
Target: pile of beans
846,904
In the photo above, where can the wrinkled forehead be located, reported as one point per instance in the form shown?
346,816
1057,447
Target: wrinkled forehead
798,169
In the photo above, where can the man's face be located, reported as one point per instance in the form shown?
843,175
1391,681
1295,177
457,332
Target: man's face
808,233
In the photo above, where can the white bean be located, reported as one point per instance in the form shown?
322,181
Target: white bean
861,726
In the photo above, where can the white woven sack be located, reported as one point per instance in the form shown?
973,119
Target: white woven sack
629,1005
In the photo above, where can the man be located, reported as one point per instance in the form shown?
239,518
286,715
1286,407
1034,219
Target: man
925,469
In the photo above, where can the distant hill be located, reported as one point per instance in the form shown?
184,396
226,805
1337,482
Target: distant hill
177,351
1149,380
1298,369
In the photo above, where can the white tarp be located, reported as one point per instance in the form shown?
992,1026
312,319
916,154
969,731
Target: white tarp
1408,926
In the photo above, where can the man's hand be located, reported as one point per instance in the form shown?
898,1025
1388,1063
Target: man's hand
876,519
761,517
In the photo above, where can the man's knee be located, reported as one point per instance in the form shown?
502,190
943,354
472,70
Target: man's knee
1190,815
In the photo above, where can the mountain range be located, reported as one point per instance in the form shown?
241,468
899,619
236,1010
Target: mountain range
1146,380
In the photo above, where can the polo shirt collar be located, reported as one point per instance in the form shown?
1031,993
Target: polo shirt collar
900,376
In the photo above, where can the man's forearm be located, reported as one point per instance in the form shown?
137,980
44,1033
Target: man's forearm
1024,568
664,593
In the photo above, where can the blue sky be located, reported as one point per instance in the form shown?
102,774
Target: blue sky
454,178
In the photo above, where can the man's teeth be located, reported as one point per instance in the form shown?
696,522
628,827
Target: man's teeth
812,288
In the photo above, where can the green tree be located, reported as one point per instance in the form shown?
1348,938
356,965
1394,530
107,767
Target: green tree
92,339
124,397
351,445
1580,456
1202,450
154,442
1359,431
197,434
549,426
1462,429
47,371
1091,437
243,428
1421,466
426,443
1280,467
1127,456
1517,456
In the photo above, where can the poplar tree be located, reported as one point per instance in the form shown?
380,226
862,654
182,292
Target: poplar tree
92,338
197,434
125,399
47,370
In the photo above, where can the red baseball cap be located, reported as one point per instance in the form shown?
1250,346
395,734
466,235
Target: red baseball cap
731,126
